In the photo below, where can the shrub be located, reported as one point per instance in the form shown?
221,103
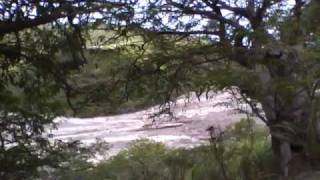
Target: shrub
238,156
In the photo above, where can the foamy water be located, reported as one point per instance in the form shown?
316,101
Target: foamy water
188,128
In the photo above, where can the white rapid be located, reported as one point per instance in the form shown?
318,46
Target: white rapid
187,129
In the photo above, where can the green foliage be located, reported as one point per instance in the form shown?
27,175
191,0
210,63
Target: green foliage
38,52
71,159
143,160
310,17
242,155
267,48
29,84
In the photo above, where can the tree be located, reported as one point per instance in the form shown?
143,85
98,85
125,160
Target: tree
41,44
268,49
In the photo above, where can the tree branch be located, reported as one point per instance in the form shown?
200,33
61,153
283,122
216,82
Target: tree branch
10,26
208,14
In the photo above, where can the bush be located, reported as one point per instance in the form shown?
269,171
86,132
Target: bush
143,160
239,155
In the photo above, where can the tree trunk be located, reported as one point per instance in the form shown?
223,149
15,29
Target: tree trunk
288,123
282,155
287,105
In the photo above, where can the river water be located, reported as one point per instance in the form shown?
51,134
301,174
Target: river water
192,116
